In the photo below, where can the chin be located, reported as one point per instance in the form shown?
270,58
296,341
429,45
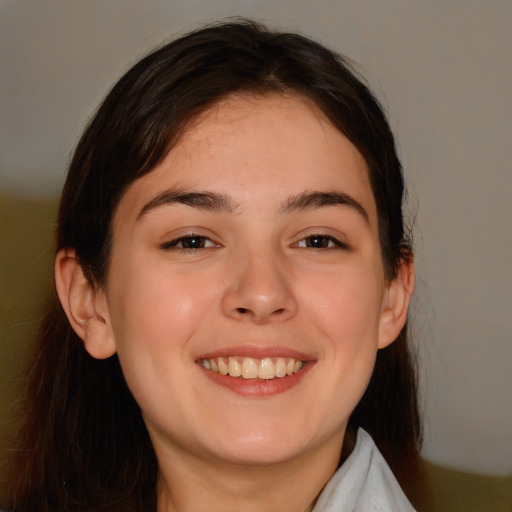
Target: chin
262,445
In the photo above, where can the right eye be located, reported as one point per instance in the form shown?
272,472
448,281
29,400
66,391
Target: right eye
320,241
190,242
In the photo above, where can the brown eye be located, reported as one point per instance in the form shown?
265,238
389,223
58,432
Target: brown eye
190,242
193,242
317,242
321,242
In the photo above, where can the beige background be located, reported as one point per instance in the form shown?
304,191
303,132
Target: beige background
443,69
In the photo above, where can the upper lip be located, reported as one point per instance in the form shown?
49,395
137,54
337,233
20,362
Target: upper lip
257,352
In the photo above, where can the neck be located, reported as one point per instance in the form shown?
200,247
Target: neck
188,483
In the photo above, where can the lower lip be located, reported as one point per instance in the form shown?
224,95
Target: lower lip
258,388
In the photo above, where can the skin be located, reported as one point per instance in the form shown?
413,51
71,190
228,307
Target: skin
261,283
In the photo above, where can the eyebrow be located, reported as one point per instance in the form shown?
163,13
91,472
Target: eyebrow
316,199
215,202
210,201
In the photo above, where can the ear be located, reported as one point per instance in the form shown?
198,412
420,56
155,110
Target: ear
84,304
396,301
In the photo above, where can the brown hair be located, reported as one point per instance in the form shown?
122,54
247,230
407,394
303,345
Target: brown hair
83,444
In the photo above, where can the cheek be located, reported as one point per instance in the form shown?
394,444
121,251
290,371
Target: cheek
343,311
346,309
153,305
346,303
153,317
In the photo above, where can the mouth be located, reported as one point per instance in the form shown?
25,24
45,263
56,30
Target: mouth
250,368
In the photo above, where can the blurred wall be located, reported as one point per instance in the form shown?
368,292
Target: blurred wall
443,69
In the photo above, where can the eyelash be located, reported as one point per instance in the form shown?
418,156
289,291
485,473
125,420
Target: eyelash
332,242
205,242
175,244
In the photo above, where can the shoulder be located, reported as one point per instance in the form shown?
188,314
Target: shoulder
363,482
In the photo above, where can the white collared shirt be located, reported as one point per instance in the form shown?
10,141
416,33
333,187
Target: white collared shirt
364,483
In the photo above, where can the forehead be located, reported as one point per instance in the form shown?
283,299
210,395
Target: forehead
289,127
258,149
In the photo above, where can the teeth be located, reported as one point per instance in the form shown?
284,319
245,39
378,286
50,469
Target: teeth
235,368
222,366
266,370
280,367
251,368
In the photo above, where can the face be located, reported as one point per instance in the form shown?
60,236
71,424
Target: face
246,295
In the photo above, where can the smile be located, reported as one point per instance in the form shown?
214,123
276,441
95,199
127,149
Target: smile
252,368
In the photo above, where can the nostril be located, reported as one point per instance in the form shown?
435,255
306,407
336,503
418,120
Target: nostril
244,311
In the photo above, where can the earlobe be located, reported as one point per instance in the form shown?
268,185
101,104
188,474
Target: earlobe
85,306
396,303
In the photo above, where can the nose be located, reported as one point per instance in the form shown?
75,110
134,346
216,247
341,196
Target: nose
259,290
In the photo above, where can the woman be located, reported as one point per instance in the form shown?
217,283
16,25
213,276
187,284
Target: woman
233,280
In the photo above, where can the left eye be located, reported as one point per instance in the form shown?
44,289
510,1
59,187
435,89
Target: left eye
190,242
320,242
